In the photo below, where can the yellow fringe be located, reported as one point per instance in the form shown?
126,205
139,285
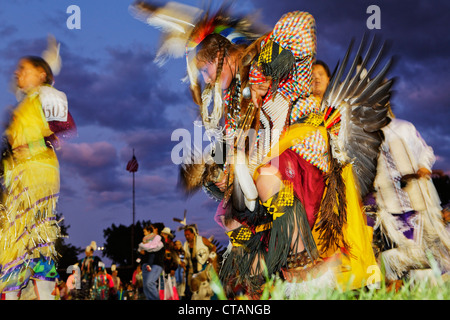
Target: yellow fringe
359,268
31,181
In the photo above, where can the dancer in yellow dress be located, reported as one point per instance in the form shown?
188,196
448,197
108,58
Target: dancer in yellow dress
31,184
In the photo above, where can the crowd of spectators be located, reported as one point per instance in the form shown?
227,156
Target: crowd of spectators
166,269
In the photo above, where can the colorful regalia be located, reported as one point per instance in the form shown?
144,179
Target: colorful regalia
30,192
31,185
320,150
102,285
302,136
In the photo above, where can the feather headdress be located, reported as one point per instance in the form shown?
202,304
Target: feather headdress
184,28
92,246
175,20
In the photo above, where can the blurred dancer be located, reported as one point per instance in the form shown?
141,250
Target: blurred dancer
407,209
31,184
88,267
200,255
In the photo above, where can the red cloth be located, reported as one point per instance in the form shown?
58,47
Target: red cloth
307,180
64,130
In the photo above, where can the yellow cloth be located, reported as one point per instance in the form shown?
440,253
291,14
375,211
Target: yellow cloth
31,182
360,267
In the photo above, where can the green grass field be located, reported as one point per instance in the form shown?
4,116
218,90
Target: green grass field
434,287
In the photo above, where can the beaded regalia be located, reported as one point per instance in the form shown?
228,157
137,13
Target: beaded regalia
318,148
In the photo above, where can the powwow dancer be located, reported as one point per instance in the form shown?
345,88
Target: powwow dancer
30,180
232,77
304,162
102,284
88,268
271,224
407,210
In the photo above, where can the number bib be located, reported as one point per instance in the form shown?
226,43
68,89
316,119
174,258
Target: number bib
54,104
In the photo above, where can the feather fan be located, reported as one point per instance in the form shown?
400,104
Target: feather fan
175,20
356,102
355,108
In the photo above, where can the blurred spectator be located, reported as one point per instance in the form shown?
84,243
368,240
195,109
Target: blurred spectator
199,253
152,267
180,277
137,282
321,77
116,282
168,236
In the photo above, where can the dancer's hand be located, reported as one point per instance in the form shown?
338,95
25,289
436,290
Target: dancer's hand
222,184
258,91
424,173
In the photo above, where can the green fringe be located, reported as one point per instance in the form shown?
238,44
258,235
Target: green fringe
282,234
236,270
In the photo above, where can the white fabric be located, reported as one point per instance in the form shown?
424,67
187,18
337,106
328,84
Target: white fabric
54,104
409,152
201,252
404,152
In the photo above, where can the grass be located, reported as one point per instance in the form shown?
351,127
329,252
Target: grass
436,287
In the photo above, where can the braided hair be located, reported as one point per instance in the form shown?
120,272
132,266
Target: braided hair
213,47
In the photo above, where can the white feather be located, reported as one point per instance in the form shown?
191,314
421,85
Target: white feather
168,23
245,180
172,18
171,48
51,55
216,115
192,71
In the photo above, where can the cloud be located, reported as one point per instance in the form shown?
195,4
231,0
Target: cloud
122,101
124,91
15,49
94,163
7,30
93,156
156,185
153,147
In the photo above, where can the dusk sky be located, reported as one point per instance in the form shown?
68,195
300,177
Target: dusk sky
122,101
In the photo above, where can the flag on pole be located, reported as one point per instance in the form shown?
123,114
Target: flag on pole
132,165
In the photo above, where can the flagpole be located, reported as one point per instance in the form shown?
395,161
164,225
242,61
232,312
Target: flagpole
132,166
132,226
